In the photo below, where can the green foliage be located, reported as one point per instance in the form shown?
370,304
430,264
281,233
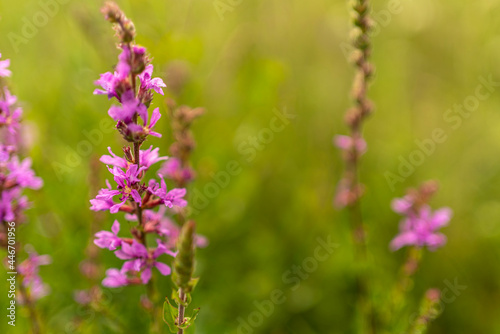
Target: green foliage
171,314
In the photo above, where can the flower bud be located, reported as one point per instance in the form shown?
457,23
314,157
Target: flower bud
184,261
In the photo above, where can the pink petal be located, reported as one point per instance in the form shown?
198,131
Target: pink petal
441,218
116,227
401,205
136,196
155,116
163,268
146,275
403,239
435,241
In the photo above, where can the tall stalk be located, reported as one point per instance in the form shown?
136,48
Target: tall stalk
16,175
132,85
350,189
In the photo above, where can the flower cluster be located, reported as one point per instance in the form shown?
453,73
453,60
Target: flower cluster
16,175
420,224
349,189
132,85
31,282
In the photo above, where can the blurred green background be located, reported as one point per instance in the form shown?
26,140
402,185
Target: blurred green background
241,65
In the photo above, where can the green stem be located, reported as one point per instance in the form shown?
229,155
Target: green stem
402,286
35,325
182,297
150,287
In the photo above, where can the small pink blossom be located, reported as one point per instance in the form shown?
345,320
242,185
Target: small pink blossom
29,269
151,83
4,64
170,198
421,229
115,278
172,169
126,182
141,260
347,143
109,240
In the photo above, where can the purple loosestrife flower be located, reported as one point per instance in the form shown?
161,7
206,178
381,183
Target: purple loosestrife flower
6,205
12,204
173,170
5,151
123,66
8,100
148,83
15,175
126,181
115,160
403,205
420,229
108,81
140,132
420,224
133,87
100,204
22,174
130,107
150,156
115,278
115,84
29,271
10,115
4,64
147,157
142,260
169,198
109,240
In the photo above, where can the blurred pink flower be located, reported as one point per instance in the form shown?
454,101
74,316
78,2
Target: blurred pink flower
421,228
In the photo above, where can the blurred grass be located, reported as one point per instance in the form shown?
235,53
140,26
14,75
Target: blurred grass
266,55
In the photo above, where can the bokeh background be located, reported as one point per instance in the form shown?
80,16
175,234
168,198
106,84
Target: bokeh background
242,65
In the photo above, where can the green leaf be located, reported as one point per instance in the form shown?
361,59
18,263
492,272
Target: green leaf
175,296
188,321
170,314
192,284
190,330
